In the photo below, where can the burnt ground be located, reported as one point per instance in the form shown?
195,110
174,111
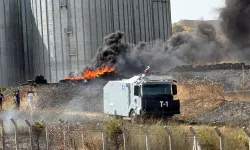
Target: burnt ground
76,96
72,95
231,80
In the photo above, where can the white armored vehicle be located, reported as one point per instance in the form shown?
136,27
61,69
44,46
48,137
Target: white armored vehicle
142,95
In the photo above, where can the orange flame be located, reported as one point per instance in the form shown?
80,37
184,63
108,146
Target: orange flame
91,74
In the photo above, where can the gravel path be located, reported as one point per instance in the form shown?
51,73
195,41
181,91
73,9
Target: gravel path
230,112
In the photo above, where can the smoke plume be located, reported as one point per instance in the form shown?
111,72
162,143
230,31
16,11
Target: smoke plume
235,22
198,46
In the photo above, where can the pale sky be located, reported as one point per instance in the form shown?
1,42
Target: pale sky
195,9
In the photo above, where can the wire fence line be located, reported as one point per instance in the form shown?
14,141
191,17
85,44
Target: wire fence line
65,136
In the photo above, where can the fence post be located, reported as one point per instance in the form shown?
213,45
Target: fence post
104,138
2,134
62,126
16,133
221,137
170,137
147,137
31,134
83,136
248,134
196,143
46,135
64,137
124,132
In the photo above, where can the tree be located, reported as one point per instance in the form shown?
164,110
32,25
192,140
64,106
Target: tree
178,28
188,29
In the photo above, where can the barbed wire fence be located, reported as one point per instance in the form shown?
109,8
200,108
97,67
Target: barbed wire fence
78,136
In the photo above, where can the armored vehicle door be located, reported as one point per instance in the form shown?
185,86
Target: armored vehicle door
136,101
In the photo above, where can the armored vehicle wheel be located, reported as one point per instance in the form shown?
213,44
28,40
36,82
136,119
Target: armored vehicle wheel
112,117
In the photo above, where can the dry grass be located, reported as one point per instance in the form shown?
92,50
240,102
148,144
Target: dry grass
88,137
197,96
235,138
75,137
9,103
238,96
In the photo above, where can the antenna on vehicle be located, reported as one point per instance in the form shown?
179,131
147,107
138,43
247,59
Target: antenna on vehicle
144,74
146,70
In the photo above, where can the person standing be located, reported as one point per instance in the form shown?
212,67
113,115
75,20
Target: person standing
1,100
17,99
30,98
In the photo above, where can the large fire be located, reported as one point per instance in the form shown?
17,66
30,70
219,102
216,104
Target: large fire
91,74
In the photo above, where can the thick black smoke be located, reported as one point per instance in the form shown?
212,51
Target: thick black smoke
112,47
116,53
201,46
183,48
236,22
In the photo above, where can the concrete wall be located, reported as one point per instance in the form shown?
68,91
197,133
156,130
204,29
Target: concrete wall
11,48
62,36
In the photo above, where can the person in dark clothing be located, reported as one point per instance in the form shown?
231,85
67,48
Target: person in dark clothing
1,100
17,99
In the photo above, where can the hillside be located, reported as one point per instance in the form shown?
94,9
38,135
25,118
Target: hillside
194,23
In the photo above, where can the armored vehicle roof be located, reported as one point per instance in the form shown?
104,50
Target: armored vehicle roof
151,78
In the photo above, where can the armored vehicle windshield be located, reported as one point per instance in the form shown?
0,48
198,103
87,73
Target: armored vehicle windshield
156,89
